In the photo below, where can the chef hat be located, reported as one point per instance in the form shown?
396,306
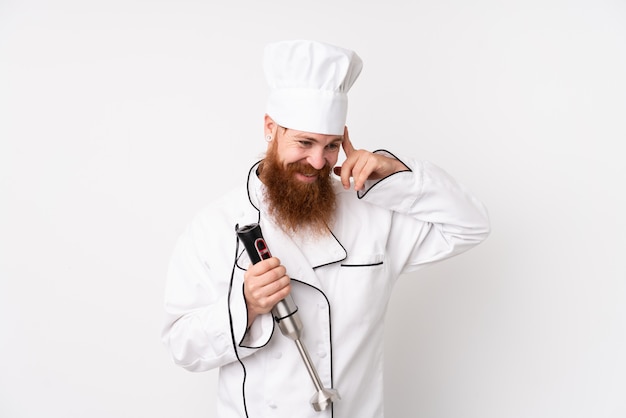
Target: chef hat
309,82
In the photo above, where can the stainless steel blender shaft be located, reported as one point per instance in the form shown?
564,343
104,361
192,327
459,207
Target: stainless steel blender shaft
323,397
286,315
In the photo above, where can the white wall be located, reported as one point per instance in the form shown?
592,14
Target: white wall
120,119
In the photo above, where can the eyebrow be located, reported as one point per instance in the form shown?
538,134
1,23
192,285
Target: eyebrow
309,138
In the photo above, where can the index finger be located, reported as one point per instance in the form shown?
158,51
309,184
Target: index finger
264,266
348,148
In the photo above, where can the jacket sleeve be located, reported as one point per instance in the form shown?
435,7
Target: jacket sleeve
205,312
435,217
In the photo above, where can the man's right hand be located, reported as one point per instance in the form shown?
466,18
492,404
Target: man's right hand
265,284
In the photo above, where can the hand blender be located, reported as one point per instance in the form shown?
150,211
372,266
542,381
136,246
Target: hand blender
286,316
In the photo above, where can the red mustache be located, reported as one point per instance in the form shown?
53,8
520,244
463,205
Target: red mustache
308,170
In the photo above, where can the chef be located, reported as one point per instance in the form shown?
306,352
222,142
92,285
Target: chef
340,237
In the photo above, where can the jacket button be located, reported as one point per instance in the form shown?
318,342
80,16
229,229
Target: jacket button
278,355
321,354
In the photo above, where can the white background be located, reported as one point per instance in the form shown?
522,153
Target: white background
120,119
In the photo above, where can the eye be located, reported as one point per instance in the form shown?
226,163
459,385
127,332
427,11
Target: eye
333,146
305,143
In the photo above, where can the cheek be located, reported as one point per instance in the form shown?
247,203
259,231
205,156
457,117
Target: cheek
332,158
290,155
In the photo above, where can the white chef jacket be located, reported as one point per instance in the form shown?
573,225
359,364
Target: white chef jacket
341,283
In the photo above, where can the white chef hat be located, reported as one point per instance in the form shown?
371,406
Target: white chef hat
309,82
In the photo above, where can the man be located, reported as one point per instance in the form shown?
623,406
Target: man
340,243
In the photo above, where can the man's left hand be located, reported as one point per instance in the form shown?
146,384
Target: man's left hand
363,165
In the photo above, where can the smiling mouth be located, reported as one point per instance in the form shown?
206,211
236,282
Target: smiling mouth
307,177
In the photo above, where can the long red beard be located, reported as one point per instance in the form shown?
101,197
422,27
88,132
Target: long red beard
296,205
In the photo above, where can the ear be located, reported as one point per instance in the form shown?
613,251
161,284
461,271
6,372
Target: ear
269,126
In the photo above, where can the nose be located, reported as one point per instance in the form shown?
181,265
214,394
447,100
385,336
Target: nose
316,159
